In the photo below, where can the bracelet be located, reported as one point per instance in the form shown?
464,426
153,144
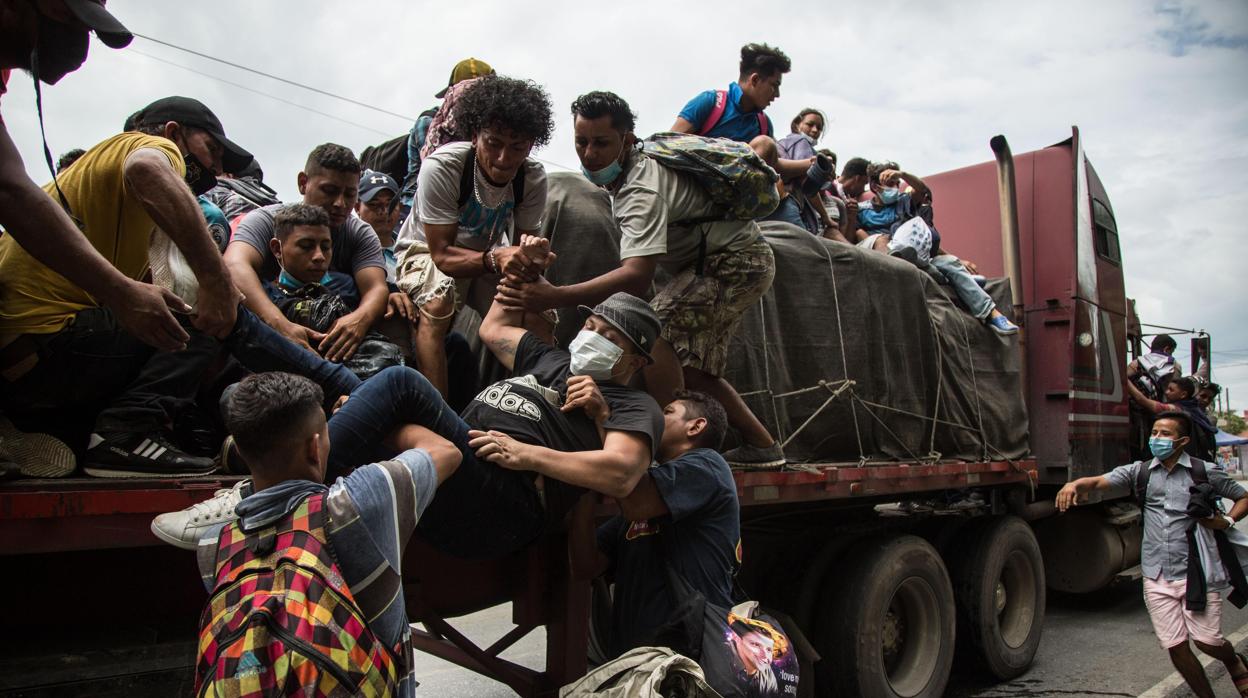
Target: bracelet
487,257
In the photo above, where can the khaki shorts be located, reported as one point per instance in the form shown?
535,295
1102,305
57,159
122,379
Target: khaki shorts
423,282
701,314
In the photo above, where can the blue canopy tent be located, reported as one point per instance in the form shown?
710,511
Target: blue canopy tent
1225,439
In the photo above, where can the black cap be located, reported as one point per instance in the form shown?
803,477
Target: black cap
100,21
192,112
633,317
373,182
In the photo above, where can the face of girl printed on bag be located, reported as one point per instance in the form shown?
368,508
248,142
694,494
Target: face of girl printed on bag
755,650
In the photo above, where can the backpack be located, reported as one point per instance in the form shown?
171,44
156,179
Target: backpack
644,672
1199,476
734,176
281,619
389,157
717,113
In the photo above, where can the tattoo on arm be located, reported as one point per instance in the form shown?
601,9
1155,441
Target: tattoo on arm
504,347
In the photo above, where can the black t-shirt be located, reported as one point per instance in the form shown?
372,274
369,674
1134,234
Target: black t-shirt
702,532
526,408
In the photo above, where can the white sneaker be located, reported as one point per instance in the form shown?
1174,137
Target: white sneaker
184,528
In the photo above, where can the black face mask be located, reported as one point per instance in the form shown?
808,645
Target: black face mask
61,49
200,178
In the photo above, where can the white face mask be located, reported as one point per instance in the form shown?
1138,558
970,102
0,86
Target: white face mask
594,355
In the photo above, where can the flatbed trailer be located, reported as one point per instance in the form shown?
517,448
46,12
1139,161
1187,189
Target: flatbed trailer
41,521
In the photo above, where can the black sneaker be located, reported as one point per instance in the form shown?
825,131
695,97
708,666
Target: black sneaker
141,455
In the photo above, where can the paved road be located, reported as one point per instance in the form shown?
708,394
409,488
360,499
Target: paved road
1095,645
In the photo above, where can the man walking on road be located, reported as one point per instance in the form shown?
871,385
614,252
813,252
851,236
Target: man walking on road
1176,615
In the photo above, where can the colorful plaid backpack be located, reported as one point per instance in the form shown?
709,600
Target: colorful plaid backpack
281,620
736,178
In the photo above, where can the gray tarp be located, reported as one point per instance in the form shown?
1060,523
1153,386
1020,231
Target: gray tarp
838,312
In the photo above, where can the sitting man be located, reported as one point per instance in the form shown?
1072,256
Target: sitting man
683,511
843,193
304,290
358,528
901,224
702,304
330,180
474,200
737,113
53,332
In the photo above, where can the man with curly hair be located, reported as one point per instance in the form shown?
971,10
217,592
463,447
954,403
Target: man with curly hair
474,199
330,180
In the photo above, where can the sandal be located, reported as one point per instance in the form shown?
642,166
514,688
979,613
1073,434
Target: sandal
1241,683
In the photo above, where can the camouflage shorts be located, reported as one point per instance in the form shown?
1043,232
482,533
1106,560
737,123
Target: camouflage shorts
701,314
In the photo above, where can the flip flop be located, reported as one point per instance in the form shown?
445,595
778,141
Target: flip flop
1241,683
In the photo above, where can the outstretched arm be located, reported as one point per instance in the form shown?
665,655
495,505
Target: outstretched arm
1069,494
1151,405
613,470
43,229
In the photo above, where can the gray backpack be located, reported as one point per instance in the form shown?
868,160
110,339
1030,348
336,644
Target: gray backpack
645,672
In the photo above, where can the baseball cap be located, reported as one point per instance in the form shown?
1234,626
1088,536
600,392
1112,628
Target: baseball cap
631,316
372,182
100,21
466,69
192,112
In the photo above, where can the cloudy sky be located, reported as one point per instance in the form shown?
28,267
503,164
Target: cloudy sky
1159,91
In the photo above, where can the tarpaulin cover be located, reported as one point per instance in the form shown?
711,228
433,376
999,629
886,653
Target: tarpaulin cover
941,382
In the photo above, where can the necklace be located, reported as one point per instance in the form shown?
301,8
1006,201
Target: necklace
476,190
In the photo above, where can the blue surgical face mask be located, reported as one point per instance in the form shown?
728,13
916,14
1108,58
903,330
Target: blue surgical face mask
594,355
609,173
890,195
289,281
1161,446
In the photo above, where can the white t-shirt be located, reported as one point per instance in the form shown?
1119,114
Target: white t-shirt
497,219
652,201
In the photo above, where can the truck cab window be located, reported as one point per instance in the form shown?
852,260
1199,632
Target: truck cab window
1105,232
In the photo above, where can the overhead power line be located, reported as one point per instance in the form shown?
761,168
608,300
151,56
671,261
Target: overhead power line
271,76
293,83
259,92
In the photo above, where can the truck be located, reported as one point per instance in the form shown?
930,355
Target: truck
916,523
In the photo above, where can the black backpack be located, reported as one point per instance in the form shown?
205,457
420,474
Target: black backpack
1200,475
391,157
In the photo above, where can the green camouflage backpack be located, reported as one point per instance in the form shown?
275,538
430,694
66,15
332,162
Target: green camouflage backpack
736,178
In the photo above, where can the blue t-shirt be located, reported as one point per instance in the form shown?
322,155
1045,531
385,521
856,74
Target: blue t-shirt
702,533
733,124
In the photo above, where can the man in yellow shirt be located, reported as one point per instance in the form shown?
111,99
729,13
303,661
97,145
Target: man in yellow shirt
60,349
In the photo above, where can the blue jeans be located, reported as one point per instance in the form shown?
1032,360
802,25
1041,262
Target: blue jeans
260,348
482,510
789,212
976,299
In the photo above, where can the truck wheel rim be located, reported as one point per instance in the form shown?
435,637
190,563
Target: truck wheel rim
910,637
1016,609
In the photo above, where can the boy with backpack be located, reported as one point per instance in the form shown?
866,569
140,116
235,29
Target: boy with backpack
1172,592
305,585
718,262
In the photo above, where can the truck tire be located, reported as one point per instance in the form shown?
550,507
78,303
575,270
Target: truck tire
998,580
887,631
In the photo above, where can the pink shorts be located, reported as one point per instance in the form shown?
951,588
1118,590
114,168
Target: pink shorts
1173,623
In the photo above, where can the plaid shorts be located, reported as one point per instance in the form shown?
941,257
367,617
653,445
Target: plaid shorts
700,314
